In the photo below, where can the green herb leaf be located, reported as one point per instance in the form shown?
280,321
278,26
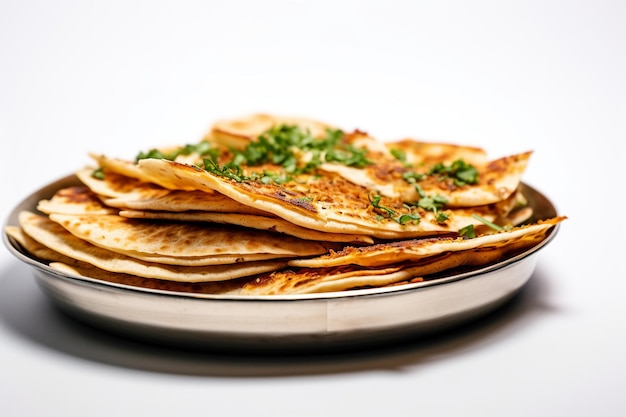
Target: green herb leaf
231,171
490,224
442,217
434,203
412,177
203,148
282,145
375,202
98,173
399,154
459,172
467,232
412,217
391,214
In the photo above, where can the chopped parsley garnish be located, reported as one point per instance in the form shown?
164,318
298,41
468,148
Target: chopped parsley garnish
429,203
349,155
490,224
98,173
268,177
441,217
235,172
432,203
459,172
232,171
400,155
411,217
412,177
391,214
375,201
467,232
202,148
284,145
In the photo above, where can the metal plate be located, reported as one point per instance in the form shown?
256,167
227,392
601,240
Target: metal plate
294,322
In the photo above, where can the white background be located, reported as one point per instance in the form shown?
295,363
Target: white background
121,76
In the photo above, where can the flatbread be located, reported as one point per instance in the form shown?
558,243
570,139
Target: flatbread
177,239
116,185
419,153
316,210
119,166
414,250
73,267
342,278
328,203
180,201
318,280
81,269
497,179
53,235
272,224
184,206
74,200
238,132
389,264
35,248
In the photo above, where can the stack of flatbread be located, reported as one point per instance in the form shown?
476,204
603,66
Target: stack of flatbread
266,205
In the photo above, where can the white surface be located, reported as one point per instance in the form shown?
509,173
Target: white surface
121,76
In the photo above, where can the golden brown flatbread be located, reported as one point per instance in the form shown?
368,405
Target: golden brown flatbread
497,179
185,206
180,201
81,269
116,185
413,250
73,267
74,200
53,235
178,239
238,132
269,204
328,203
388,264
417,153
272,224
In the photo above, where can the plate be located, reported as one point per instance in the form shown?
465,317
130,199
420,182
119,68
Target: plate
337,320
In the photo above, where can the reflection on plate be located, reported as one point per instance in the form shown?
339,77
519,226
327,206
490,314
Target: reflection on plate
312,321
